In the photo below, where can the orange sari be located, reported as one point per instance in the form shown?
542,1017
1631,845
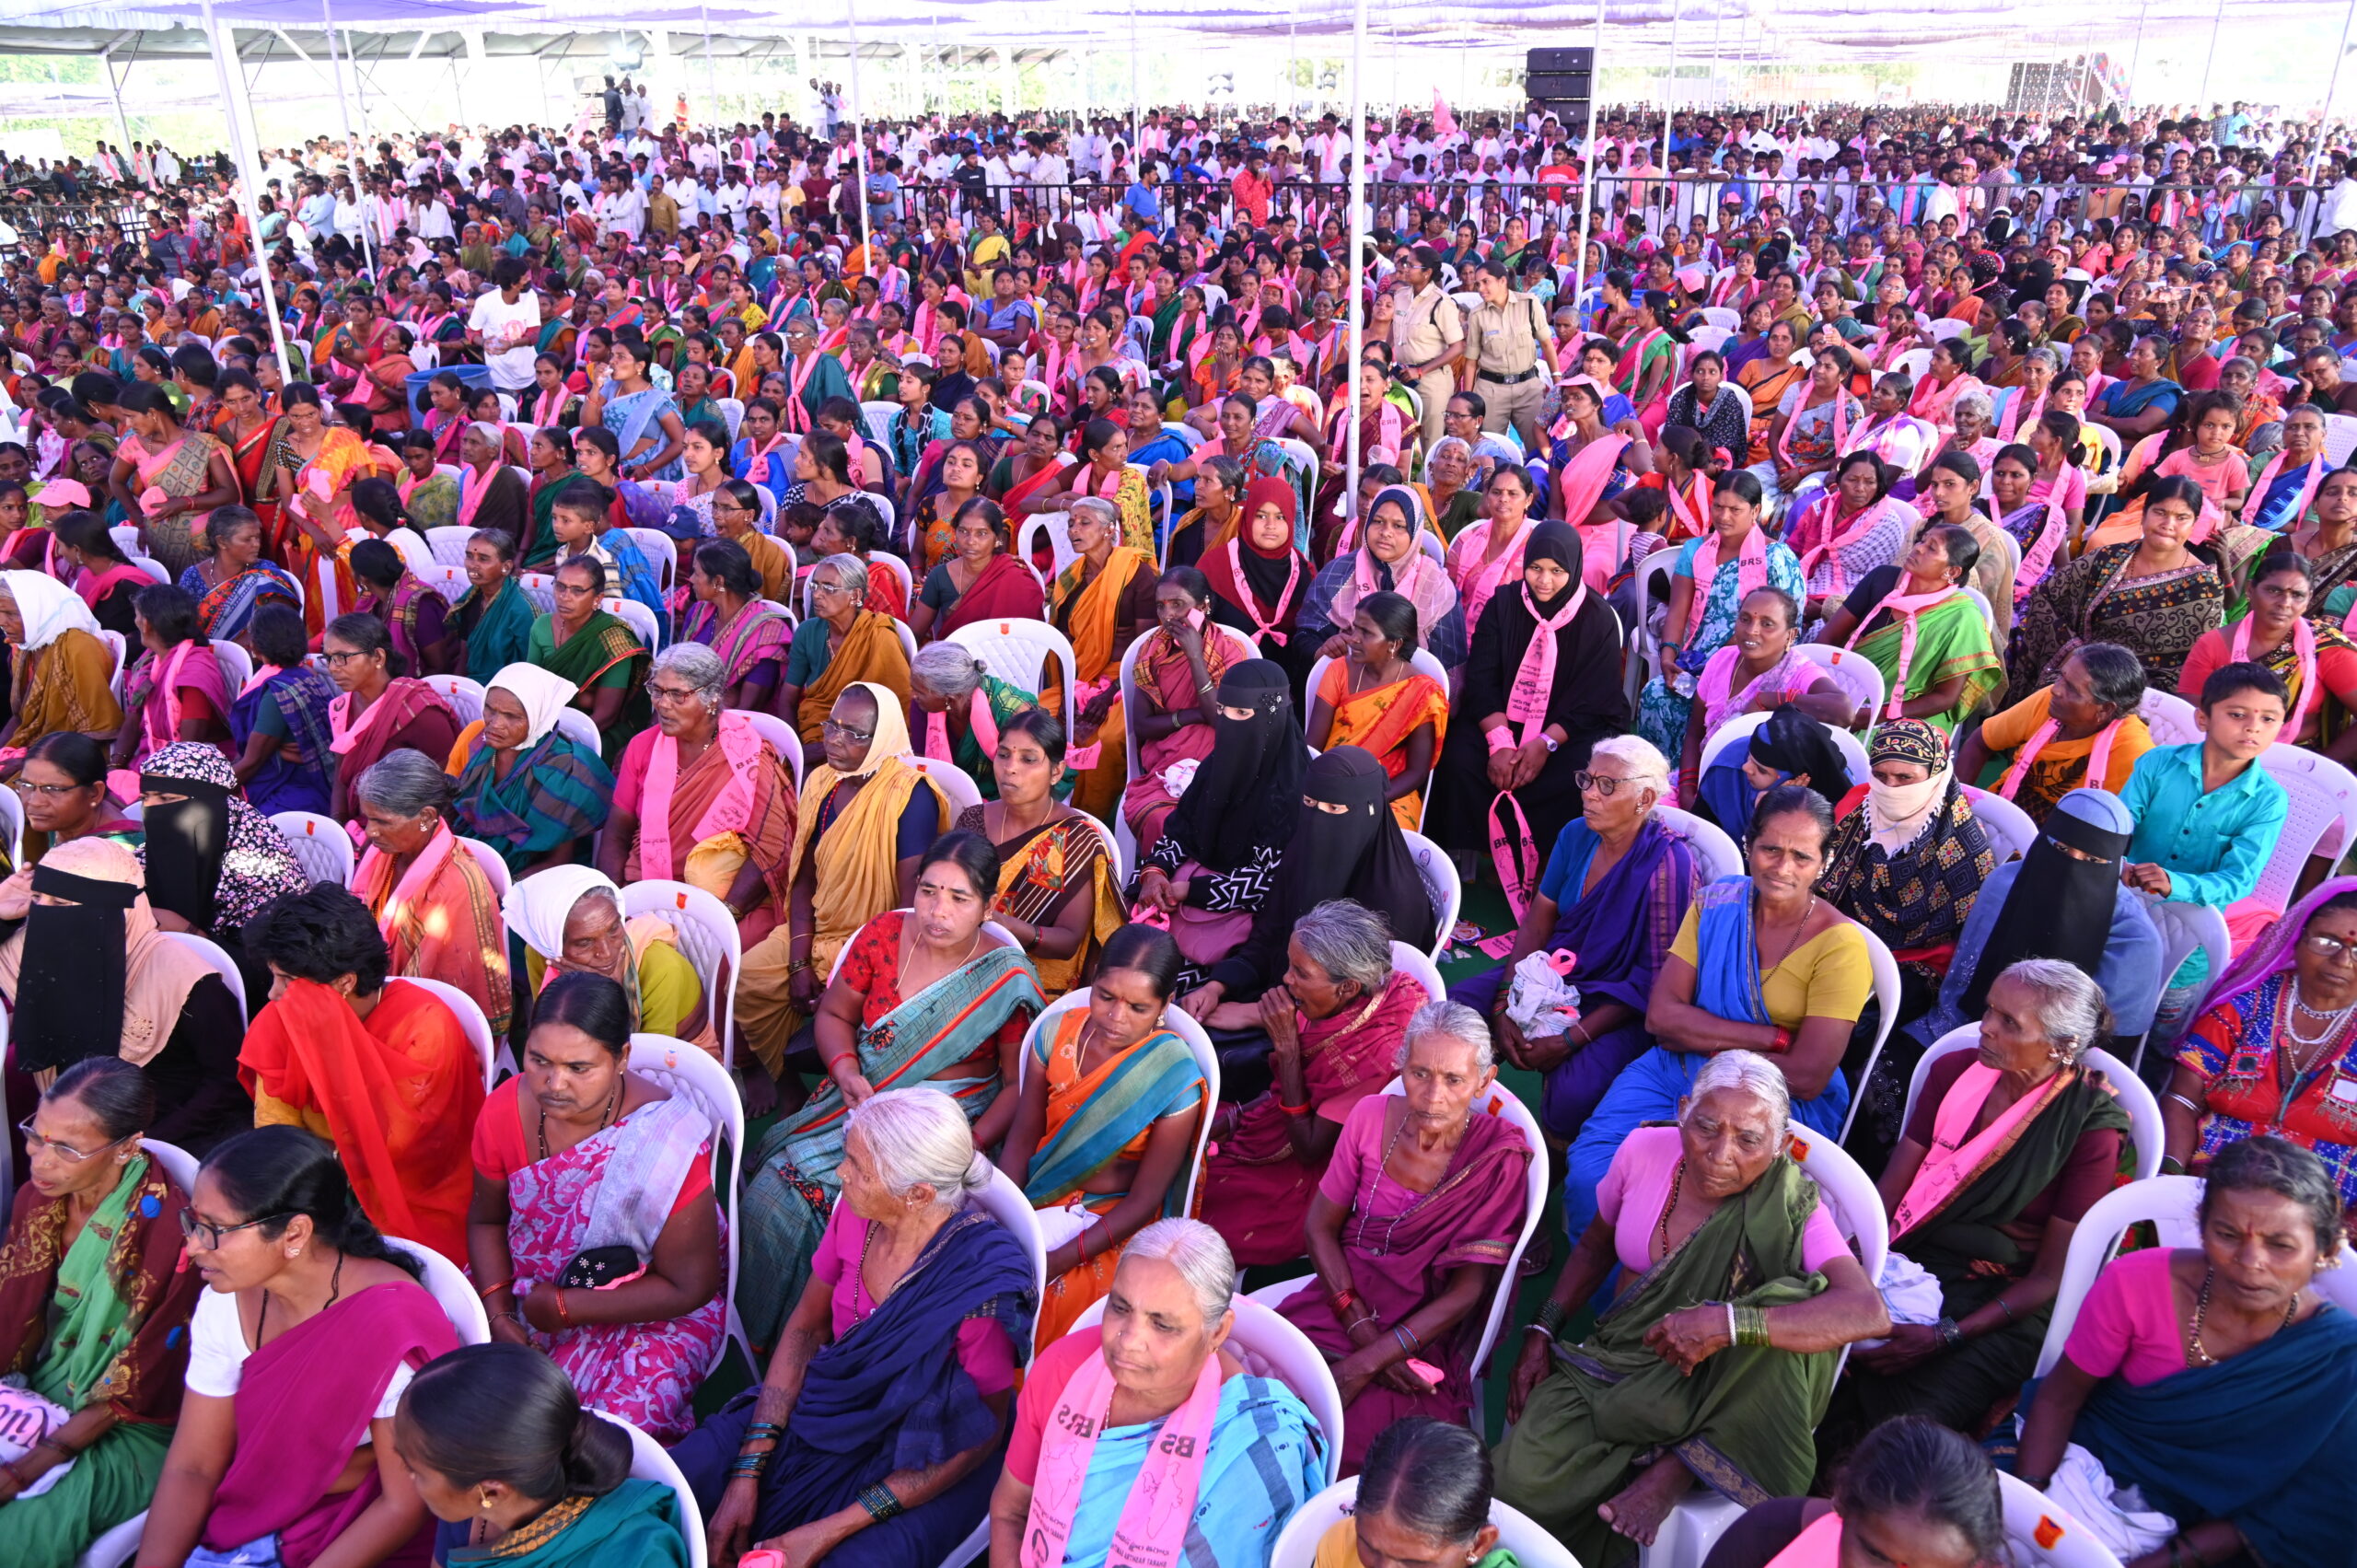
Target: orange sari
1088,615
1379,721
342,461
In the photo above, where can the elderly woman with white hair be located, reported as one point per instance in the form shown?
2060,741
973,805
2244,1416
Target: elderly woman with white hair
873,1437
2007,1147
700,798
957,708
1721,1348
842,644
1104,602
1146,1439
491,495
435,906
1399,1311
1613,895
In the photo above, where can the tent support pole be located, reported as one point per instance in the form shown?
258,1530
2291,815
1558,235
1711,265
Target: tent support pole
1668,86
1358,268
351,147
122,123
238,108
2217,21
859,146
2331,89
1588,161
2136,55
1137,100
710,87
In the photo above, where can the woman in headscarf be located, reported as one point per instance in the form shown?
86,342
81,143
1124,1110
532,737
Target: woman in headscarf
280,733
1789,747
64,672
526,790
1259,582
1541,686
1220,847
1908,859
212,860
431,901
1391,558
88,972
570,917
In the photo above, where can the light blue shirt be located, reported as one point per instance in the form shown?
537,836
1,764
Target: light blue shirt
2213,844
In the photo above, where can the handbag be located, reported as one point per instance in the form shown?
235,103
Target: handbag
596,1268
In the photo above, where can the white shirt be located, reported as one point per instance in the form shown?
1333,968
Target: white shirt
511,370
217,1353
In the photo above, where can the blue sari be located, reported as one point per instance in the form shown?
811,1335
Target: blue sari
2261,1440
299,698
634,416
2280,509
1155,1079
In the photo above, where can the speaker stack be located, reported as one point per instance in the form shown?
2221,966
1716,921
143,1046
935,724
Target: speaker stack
1559,81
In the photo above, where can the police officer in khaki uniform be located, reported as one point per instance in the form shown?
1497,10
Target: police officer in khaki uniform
1511,347
1427,335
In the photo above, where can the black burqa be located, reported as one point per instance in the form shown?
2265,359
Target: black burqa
1585,703
184,841
1248,792
70,981
2059,906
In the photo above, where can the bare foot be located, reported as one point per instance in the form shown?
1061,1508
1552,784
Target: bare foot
1645,1502
759,1089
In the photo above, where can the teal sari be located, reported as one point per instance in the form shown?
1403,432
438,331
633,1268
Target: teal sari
1155,1079
637,1522
501,630
791,1194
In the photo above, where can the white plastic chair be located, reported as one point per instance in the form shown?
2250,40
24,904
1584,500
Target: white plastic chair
126,539
2186,928
153,567
579,728
320,845
1016,651
783,740
2044,1534
236,665
221,963
1026,539
1854,673
962,791
1259,1334
2134,1098
1886,969
1442,883
1198,1043
2011,832
176,1162
540,588
908,640
2321,819
451,1292
2170,717
495,869
12,823
662,552
448,543
115,645
708,939
464,696
1654,572
1517,1532
1718,853
637,617
450,582
649,1462
687,1070
1005,1202
1737,733
469,1012
1410,960
1724,317
1913,363
878,417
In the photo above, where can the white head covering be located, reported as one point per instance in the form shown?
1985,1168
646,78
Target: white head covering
537,906
543,695
49,609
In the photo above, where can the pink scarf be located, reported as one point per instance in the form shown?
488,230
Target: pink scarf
376,865
1910,608
2098,760
2017,416
168,684
1585,475
1822,510
2257,491
2303,649
1932,401
1248,602
757,466
730,812
796,414
1841,401
348,732
95,586
1956,1157
1479,582
472,488
1153,1529
2040,557
1526,698
936,730
1752,553
1820,1546
1715,688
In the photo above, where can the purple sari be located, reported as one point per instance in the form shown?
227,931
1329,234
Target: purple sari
303,1406
300,698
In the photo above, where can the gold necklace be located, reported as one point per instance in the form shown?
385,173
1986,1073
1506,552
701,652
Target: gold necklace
2201,1354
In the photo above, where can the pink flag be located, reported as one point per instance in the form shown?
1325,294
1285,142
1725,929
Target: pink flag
1443,120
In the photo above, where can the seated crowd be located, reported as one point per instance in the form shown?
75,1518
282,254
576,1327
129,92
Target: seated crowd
713,920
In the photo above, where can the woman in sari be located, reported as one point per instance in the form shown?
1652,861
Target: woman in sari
167,477
380,710
2007,1147
574,1157
63,671
1483,557
2269,1049
2286,486
281,738
1758,671
2210,1383
1718,990
1808,431
519,1473
1613,893
646,422
249,431
1949,378
2317,661
1649,363
1104,1135
96,1314
492,495
594,650
730,617
1721,1346
982,580
924,997
1914,622
275,1230
550,455
1177,677
436,910
1765,379
962,708
570,917
1713,576
873,1438
1077,1488
493,616
174,691
700,798
1102,602
2151,596
1055,890
101,571
527,790
1260,581
1389,558
840,644
2143,400
1450,1189
235,581
1104,474
1377,700
317,462
1029,468
1849,529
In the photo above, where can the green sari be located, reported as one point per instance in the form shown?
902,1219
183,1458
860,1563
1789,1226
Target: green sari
604,653
500,631
121,1302
1951,639
1742,1423
637,1522
1006,700
791,1192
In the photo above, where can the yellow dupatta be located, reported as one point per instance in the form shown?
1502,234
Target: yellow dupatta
1094,626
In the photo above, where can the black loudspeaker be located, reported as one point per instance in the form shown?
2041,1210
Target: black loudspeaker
1570,112
1544,60
1556,84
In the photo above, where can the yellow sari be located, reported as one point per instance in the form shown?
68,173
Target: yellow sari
1379,721
1088,615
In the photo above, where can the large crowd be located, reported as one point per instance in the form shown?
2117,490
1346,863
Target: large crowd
911,656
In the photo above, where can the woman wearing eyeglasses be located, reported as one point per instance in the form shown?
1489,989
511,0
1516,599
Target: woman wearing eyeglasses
63,786
382,708
93,1314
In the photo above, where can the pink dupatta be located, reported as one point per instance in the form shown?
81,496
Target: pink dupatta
2098,760
1910,608
1581,485
1526,698
1955,1156
1153,1529
376,865
2303,649
730,812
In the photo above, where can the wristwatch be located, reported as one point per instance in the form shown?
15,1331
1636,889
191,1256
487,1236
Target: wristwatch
1549,742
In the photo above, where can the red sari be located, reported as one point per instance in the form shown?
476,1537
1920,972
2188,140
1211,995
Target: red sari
1005,591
